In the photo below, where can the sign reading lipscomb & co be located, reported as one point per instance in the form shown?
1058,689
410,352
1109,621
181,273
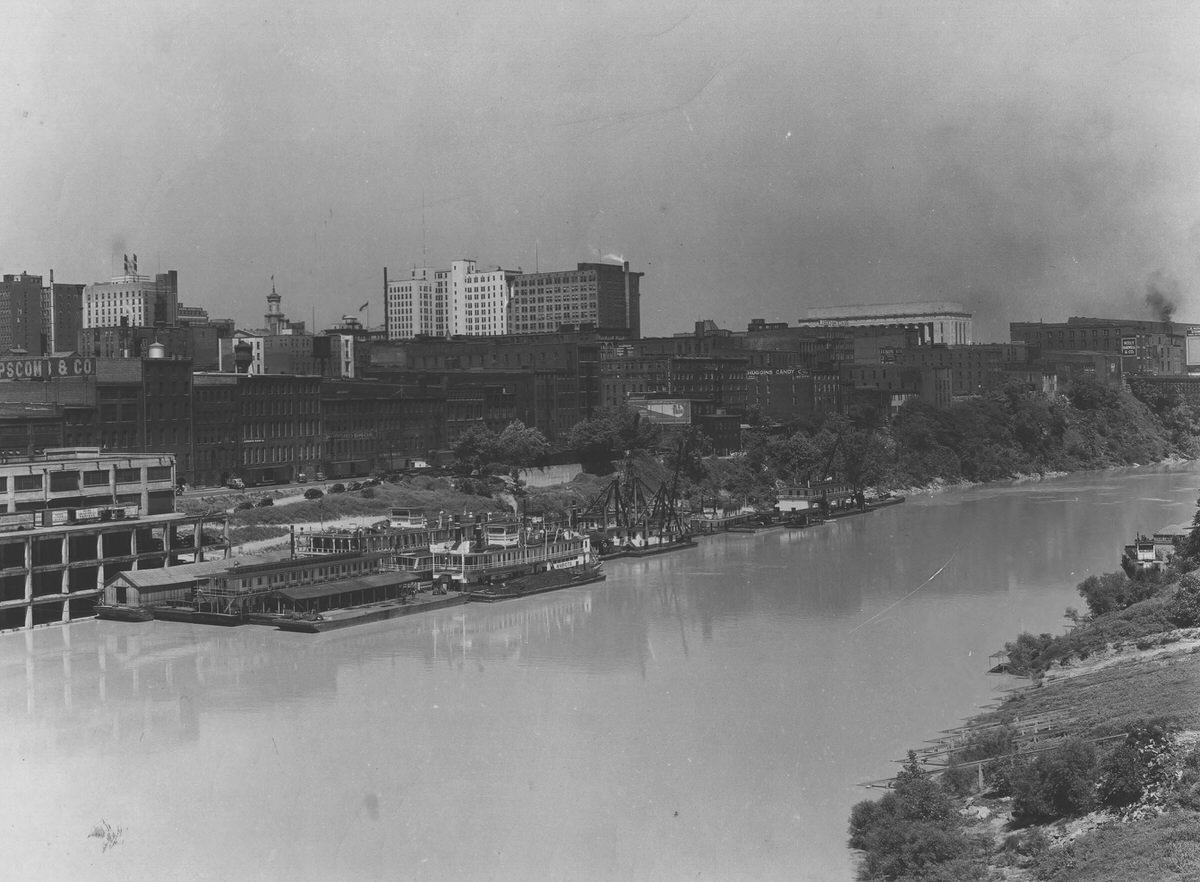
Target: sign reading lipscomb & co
46,367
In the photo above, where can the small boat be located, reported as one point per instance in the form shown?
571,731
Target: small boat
123,613
189,613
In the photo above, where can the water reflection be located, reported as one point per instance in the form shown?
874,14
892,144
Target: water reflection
747,683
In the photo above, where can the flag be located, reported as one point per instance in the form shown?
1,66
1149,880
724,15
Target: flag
364,306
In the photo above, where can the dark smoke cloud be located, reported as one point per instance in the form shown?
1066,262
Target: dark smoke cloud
1162,295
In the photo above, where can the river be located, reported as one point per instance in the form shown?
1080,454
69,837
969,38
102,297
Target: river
705,714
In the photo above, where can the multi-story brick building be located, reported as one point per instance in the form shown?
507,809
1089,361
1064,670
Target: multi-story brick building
21,314
62,316
974,369
1146,348
604,296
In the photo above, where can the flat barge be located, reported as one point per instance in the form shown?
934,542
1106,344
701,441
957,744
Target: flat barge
334,619
538,583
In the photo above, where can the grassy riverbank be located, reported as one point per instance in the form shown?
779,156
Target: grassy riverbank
1091,773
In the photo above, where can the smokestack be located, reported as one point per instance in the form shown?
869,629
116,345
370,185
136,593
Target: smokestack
625,268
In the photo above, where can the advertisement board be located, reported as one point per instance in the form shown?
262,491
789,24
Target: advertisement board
46,368
665,411
1192,352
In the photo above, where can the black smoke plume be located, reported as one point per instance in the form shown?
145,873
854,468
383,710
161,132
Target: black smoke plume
1162,294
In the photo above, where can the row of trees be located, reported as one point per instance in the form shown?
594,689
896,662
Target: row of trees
1010,432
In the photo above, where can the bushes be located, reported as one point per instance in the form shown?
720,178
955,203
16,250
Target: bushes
313,493
1183,609
1060,783
1116,591
913,831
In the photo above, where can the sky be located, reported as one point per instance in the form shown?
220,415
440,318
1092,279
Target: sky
1031,160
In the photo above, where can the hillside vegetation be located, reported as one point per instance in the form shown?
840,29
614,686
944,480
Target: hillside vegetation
1090,775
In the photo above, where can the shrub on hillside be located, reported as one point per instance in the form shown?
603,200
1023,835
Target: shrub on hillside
313,493
1115,591
1138,766
1183,609
1060,783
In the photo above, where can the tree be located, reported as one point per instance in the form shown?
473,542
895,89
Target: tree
474,447
1057,784
613,433
912,832
518,447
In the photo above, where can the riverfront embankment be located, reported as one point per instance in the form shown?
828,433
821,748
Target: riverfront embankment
1090,773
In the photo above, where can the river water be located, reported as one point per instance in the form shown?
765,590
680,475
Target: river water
705,714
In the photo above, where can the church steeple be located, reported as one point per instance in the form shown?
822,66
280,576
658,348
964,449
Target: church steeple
274,315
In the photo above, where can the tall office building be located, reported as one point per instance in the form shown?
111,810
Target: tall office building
466,301
21,314
417,306
140,300
62,315
604,295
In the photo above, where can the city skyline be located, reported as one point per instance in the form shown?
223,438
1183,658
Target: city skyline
752,160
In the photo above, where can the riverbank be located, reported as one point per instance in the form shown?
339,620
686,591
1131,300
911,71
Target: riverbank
1090,773
1156,835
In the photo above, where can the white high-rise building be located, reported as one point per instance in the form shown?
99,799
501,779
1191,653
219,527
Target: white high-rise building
462,300
417,305
479,299
141,300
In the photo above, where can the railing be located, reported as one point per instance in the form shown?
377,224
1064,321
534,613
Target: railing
489,560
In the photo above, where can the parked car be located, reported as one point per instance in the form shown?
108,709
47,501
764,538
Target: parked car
236,484
320,476
302,478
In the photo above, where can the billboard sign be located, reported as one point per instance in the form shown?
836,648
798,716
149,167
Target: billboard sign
46,368
1128,346
673,411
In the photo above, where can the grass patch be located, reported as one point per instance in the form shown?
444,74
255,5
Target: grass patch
1109,700
1164,848
255,532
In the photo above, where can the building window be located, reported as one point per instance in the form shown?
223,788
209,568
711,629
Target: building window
129,476
27,482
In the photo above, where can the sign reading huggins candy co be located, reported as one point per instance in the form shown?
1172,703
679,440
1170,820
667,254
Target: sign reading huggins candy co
46,368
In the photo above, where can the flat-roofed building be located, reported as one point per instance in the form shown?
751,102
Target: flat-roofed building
141,301
1145,347
72,518
941,321
604,296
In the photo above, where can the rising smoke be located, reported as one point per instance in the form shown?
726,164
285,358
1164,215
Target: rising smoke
1162,295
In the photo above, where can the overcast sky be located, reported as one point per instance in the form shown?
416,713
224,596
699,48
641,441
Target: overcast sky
1032,160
